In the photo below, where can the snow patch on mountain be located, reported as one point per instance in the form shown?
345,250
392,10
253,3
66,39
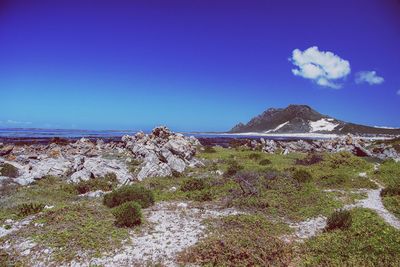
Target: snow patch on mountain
322,125
277,128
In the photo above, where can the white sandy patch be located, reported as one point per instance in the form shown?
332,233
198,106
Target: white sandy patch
175,227
322,125
277,128
14,225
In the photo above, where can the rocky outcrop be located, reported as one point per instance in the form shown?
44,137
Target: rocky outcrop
163,153
349,143
160,153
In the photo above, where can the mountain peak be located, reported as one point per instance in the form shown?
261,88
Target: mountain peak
303,119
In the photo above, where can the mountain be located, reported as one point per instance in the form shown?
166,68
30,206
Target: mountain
304,119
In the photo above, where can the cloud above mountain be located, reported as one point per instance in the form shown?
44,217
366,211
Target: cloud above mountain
369,77
323,67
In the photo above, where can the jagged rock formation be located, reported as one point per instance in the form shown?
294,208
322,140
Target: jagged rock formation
304,119
348,143
161,153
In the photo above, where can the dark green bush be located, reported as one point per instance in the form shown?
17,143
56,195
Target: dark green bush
391,190
193,184
26,209
106,183
264,162
339,220
128,193
8,170
333,179
128,214
255,156
203,195
233,168
310,159
302,176
209,149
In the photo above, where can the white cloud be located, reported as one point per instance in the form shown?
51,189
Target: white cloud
398,92
322,67
369,77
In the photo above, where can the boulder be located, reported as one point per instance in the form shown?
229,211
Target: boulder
88,168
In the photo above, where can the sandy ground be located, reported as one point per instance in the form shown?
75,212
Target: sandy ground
174,226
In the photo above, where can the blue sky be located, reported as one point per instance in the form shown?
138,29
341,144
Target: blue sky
196,65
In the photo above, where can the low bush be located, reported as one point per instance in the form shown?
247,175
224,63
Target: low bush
209,149
310,159
247,181
26,209
302,176
233,168
193,184
128,214
333,180
255,156
129,193
106,183
264,162
391,190
203,195
339,220
8,170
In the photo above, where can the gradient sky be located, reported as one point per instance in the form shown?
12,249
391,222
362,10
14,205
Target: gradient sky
192,65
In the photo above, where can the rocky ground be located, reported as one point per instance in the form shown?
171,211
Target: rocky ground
258,202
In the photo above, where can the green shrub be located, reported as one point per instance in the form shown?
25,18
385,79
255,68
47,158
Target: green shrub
106,183
26,209
255,156
128,193
128,214
264,162
209,149
333,179
203,195
310,159
339,220
391,190
8,170
233,168
302,176
193,184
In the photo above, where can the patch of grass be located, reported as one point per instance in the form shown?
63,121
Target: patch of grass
85,227
341,170
128,214
50,191
392,204
26,209
128,193
241,240
369,241
106,183
255,156
389,173
8,170
209,149
340,219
